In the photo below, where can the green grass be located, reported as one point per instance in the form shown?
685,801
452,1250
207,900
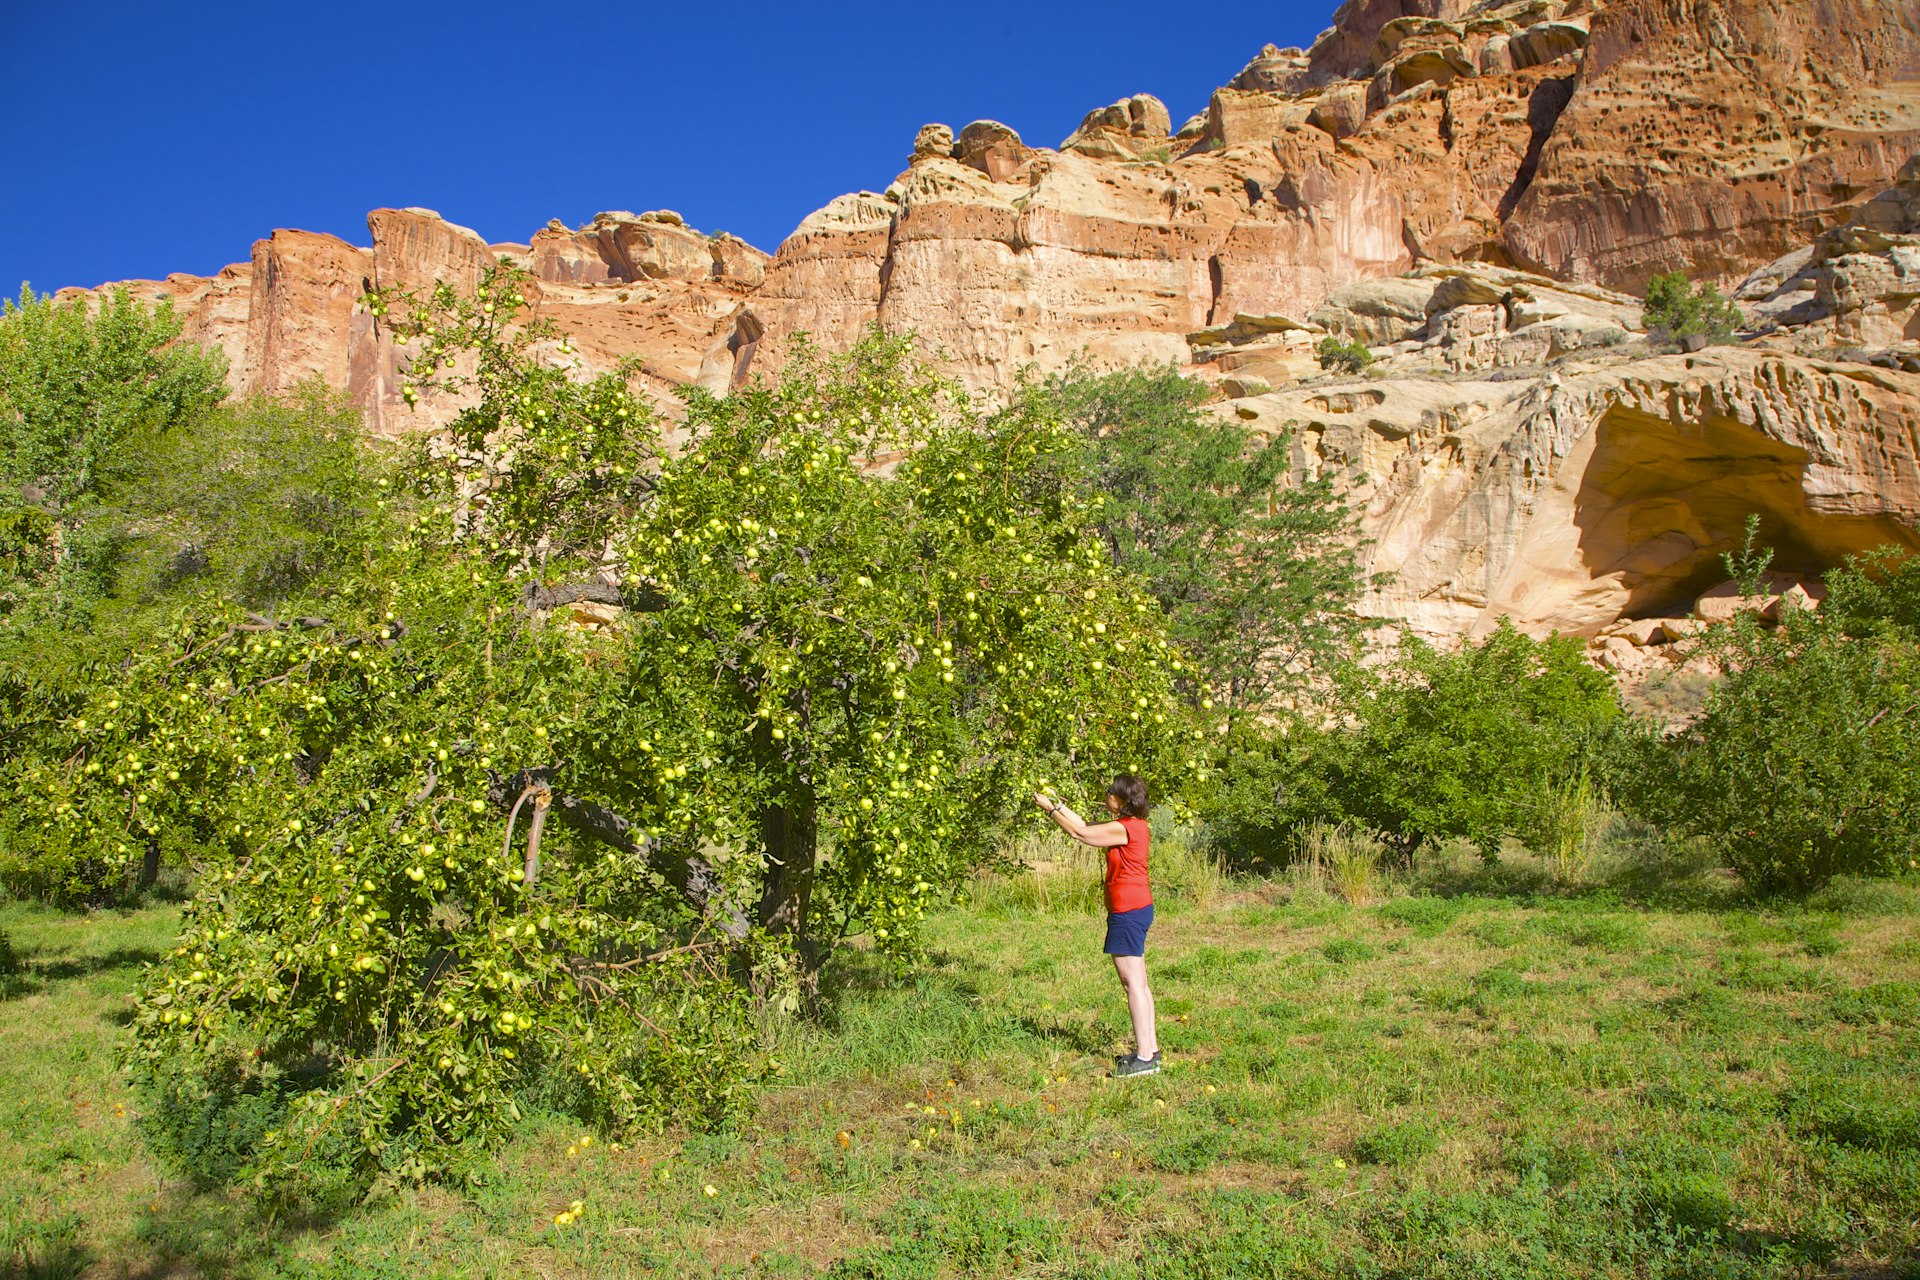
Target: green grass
1496,1083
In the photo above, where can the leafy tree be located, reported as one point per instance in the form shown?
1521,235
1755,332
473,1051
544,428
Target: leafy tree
85,394
1803,764
1676,308
1256,569
1343,355
256,503
78,385
1465,744
447,844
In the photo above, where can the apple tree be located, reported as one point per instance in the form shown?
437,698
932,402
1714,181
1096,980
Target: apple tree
450,843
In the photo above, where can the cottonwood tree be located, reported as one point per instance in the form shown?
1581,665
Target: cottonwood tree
1256,568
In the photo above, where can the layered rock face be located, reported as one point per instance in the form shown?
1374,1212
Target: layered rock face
1589,140
645,287
1594,142
1711,135
1471,189
1857,286
1606,490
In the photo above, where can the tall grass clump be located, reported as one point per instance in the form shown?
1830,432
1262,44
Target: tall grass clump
1574,816
1054,875
1345,859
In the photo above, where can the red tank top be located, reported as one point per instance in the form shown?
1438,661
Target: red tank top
1127,888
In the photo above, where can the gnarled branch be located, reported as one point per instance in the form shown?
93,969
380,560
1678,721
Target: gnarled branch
697,880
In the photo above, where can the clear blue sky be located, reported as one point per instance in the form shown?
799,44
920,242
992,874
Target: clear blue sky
143,138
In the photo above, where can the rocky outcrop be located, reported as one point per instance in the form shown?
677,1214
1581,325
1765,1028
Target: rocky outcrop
1131,129
1587,140
1857,287
1711,136
643,287
1596,491
1470,188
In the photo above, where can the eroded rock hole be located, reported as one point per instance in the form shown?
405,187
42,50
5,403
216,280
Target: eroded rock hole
1660,503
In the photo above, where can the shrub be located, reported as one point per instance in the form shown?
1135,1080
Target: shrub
1266,787
1343,355
1676,309
1467,744
1805,761
1804,765
1877,592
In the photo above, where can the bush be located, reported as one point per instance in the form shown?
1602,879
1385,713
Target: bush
1343,355
1804,765
1805,761
1470,744
1266,786
1676,309
1878,592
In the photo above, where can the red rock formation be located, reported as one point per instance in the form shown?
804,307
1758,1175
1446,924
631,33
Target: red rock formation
1379,185
1710,135
1714,135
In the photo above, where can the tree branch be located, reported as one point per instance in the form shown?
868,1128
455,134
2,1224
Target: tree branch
538,599
697,880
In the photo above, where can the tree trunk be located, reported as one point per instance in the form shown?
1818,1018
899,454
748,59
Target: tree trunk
789,835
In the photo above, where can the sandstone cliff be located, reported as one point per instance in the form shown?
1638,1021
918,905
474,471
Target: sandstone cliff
1590,140
625,285
1471,189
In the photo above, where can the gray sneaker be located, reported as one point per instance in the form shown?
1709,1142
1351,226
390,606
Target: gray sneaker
1130,1065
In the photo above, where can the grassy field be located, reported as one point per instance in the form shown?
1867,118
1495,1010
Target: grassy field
1478,1079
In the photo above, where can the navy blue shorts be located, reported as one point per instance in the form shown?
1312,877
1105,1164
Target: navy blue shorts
1127,931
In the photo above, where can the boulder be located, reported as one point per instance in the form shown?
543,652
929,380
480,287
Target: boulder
1275,70
992,148
933,140
1340,111
1725,602
1238,385
1377,312
1546,42
1128,129
1617,653
1805,597
1639,632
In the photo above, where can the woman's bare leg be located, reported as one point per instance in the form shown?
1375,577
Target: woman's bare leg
1133,976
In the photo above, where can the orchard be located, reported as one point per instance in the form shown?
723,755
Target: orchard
448,846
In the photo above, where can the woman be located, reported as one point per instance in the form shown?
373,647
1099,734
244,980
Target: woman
1129,904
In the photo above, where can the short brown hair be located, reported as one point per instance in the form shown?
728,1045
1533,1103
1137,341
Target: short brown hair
1131,789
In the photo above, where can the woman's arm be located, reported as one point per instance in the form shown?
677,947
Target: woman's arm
1100,835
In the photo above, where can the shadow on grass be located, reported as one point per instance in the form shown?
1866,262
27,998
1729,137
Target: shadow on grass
216,1235
853,977
1635,866
32,976
1079,1038
59,1259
